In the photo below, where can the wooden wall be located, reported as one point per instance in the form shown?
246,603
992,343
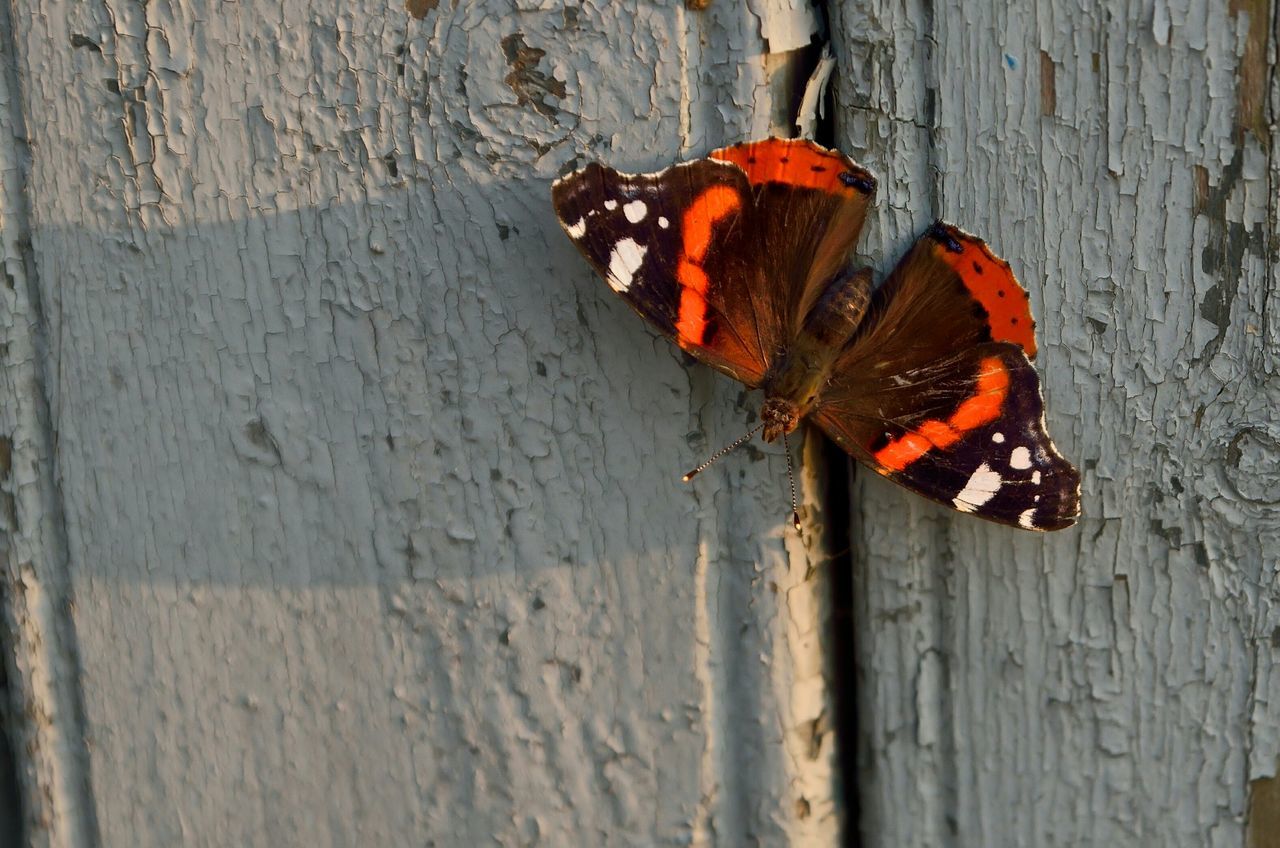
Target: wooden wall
1112,684
341,501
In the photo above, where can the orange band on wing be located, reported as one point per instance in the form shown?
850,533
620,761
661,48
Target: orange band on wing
712,205
984,404
941,435
901,452
982,407
692,321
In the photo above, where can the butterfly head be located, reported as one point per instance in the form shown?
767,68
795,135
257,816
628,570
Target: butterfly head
779,416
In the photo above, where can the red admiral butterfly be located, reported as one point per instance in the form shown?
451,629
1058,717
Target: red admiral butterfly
743,259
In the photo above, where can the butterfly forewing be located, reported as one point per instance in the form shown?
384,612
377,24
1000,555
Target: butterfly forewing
669,244
725,254
810,206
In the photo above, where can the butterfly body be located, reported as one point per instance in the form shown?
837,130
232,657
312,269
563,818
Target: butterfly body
744,258
795,380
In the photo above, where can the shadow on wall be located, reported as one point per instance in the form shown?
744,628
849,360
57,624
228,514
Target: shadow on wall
348,395
10,802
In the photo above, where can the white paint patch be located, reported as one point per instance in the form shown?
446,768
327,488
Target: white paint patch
997,437
577,230
1035,479
611,205
1025,519
663,222
982,487
624,261
635,211
1020,458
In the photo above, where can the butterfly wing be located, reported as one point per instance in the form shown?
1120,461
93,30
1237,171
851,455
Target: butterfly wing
719,253
938,393
810,205
657,239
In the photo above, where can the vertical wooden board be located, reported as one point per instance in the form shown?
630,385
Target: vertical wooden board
42,718
373,526
885,97
1110,684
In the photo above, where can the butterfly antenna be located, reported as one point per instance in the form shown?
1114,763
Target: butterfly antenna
795,513
724,450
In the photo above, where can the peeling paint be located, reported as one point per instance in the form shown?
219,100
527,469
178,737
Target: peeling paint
364,475
1143,220
44,716
531,85
1253,72
1264,813
1048,86
420,8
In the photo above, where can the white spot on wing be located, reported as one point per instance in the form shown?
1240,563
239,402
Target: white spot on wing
1035,478
1025,519
611,205
635,211
577,230
982,487
624,261
663,222
997,437
1020,458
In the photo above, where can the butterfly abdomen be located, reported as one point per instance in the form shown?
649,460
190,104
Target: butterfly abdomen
795,380
836,315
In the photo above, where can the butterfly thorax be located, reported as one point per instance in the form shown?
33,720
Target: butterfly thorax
795,380
780,416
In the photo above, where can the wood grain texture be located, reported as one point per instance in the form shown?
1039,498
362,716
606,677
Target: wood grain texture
1112,684
357,495
44,718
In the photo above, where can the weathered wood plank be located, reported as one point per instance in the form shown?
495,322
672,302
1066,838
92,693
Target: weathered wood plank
372,517
44,721
1111,684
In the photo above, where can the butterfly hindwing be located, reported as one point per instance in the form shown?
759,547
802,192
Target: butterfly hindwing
938,393
966,431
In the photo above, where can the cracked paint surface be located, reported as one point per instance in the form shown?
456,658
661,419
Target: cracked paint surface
372,525
1113,684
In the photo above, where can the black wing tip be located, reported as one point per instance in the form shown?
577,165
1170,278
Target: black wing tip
861,179
1066,512
576,174
949,235
1058,521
